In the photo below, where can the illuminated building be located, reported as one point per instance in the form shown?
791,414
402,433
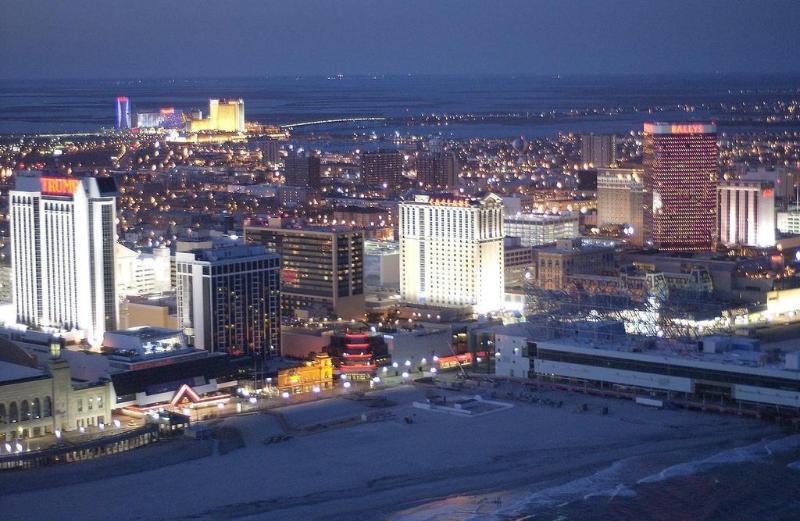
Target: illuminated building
228,299
598,151
36,400
680,180
223,116
322,268
166,117
789,222
142,273
537,229
313,376
746,213
63,233
383,168
437,170
451,252
620,201
382,264
123,112
302,169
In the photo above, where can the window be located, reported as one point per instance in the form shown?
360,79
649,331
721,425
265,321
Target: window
80,404
25,410
48,407
2,413
13,413
99,402
37,408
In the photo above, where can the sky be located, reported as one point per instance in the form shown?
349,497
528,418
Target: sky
207,38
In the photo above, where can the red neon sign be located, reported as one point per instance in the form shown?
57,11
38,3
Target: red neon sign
58,185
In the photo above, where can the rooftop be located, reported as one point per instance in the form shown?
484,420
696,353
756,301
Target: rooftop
10,373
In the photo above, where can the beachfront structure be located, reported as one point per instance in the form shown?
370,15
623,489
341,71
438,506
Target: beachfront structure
322,268
228,299
451,252
63,231
725,372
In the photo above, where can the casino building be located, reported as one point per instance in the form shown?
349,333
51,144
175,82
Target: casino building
63,231
680,183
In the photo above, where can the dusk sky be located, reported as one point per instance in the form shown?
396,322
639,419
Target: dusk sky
182,38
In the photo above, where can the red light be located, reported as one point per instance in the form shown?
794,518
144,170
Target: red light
58,185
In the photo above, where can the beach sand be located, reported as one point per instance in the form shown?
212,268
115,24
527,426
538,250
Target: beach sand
439,466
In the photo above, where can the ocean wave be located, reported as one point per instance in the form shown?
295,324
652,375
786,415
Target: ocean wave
606,482
753,452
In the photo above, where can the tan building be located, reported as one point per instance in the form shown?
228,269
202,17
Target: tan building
39,400
569,256
620,201
315,375
148,311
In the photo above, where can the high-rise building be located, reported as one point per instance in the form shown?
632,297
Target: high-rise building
680,182
436,170
535,229
451,252
123,112
322,268
223,116
302,169
271,151
620,201
746,213
228,299
63,231
383,168
598,150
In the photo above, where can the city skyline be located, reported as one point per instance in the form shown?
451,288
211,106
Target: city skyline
382,37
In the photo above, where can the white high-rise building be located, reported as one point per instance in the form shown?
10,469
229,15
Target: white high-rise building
142,273
451,252
63,231
746,213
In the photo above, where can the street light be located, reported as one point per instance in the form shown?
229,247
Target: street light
347,385
405,374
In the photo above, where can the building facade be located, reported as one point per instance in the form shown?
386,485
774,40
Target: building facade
302,169
451,252
598,150
228,299
620,201
63,231
680,180
746,213
322,268
537,229
382,168
436,170
123,113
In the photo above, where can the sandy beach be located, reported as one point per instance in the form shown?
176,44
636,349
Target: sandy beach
438,466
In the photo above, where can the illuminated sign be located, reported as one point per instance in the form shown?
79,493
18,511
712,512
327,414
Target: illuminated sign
688,129
767,192
58,185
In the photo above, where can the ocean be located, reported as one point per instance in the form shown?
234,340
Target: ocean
60,106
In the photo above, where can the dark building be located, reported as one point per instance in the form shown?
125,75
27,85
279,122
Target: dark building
322,269
302,169
598,151
383,168
271,151
436,170
228,299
